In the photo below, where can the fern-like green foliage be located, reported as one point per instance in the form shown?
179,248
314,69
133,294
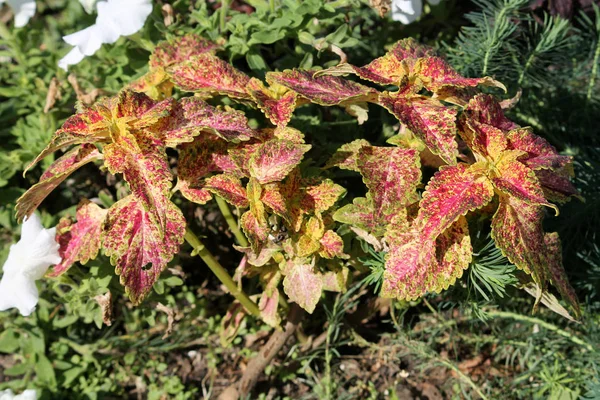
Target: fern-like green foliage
490,272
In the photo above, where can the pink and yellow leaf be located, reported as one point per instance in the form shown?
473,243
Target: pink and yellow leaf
79,241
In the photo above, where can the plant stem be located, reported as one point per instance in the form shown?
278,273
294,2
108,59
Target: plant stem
220,272
594,73
231,222
272,6
266,354
223,15
544,324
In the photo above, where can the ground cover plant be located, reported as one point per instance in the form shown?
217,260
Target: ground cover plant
393,210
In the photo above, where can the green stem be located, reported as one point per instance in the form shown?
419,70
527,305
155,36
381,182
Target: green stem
220,272
594,70
223,15
231,222
272,6
544,324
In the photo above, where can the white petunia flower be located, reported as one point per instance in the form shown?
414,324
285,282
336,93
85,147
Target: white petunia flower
28,260
8,394
116,18
23,9
408,11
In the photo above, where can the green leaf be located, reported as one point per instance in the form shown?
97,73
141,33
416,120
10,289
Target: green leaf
44,371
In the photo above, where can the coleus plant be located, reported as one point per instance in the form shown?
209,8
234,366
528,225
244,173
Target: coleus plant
488,168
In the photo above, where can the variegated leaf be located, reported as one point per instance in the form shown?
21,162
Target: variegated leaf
206,154
278,108
256,231
436,74
360,214
85,127
303,286
517,180
229,188
308,241
416,266
180,49
428,119
206,73
274,159
58,171
79,241
332,245
336,280
557,187
137,111
345,157
323,90
320,196
483,139
557,274
195,116
485,109
391,174
143,162
453,191
393,68
518,233
138,245
539,153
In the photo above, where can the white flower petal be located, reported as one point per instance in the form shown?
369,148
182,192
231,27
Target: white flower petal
35,252
88,40
23,9
406,11
88,5
122,18
31,228
18,291
28,260
73,57
6,394
29,394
